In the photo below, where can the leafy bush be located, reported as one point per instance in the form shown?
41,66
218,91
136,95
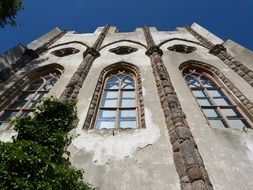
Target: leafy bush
49,126
35,158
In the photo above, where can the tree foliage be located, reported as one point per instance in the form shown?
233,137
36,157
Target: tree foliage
49,126
8,11
35,159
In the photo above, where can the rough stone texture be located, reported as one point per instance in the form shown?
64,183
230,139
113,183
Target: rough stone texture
186,156
194,173
199,185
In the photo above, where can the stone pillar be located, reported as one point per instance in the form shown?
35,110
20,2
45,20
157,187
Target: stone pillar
187,159
72,89
220,51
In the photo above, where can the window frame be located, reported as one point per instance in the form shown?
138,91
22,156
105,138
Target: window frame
234,105
5,124
118,107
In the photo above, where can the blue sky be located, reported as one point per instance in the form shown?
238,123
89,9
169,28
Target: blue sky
228,19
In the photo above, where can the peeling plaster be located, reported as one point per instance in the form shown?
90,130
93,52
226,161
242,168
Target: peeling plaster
144,91
248,142
107,148
7,135
205,54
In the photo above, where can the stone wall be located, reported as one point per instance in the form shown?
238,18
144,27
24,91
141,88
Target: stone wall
177,149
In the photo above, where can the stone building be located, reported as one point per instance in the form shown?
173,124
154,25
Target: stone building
157,109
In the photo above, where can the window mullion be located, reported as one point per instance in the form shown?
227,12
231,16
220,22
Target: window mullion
209,97
126,89
220,114
29,96
223,117
137,115
118,105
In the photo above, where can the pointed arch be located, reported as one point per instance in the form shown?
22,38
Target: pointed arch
118,95
180,39
130,41
21,98
217,96
67,43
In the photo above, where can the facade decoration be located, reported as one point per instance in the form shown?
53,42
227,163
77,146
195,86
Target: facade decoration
182,48
65,52
120,101
188,161
156,109
220,110
123,50
72,89
244,101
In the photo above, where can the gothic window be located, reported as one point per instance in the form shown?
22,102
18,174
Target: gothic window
118,105
25,102
217,106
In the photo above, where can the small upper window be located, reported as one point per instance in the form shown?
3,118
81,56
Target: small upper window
180,48
25,102
65,52
220,110
118,106
123,50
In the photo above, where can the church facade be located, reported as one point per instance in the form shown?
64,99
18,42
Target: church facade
157,109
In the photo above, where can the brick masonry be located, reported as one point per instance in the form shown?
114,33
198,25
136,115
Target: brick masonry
188,161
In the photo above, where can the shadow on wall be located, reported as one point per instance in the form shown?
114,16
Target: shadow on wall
7,72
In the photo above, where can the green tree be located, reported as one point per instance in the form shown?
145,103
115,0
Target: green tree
8,11
37,157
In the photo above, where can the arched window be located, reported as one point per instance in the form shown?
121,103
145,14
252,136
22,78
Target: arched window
25,102
118,107
218,107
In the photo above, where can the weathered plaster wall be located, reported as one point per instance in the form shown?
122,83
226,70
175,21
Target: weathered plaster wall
9,57
70,64
44,39
240,53
131,159
142,158
227,153
206,33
